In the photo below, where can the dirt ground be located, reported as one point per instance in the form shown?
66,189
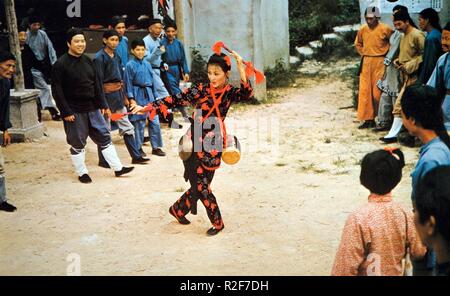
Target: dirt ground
284,205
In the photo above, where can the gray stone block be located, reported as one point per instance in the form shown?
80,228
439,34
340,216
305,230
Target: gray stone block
23,115
305,51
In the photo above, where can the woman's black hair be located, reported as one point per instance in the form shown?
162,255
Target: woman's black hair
433,199
423,103
221,61
381,170
432,16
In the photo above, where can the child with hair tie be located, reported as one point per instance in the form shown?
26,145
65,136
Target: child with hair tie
378,236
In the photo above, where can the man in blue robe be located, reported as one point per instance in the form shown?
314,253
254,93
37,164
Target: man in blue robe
175,58
429,22
118,24
153,54
440,79
43,49
109,71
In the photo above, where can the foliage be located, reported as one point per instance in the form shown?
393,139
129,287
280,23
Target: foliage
199,73
279,76
352,76
340,48
309,19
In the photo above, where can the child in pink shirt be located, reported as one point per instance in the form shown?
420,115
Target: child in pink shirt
376,236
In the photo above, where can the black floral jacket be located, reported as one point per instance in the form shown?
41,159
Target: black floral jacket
207,127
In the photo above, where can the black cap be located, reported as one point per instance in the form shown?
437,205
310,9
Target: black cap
153,21
34,19
6,56
115,20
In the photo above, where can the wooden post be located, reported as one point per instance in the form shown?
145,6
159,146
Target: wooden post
14,44
178,7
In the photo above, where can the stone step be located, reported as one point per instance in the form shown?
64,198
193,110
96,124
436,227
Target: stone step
294,60
305,51
330,36
309,50
346,28
316,44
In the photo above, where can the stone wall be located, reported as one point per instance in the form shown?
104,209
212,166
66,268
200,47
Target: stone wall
257,29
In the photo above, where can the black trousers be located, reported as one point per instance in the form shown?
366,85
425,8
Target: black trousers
200,180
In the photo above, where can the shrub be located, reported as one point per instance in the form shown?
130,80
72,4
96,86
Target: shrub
279,76
199,73
333,49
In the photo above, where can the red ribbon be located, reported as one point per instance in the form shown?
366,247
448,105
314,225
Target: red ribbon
250,70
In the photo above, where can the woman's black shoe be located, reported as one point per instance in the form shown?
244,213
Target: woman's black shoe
182,221
213,231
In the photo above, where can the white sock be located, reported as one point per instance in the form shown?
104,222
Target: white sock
395,129
78,163
111,158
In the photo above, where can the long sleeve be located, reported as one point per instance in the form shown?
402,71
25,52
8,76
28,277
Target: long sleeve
100,98
431,56
184,60
154,56
98,65
100,77
186,98
58,93
414,64
437,77
417,249
359,43
350,254
128,81
51,50
159,90
5,123
394,46
244,93
153,52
